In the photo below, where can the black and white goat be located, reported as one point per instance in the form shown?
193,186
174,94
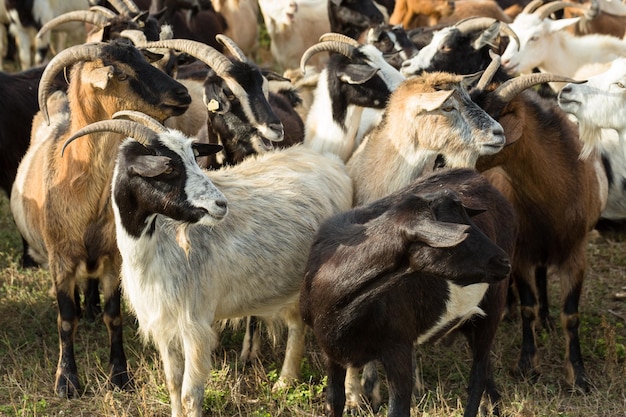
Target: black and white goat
200,246
408,268
351,94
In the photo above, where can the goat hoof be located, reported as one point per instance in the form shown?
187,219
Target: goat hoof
120,380
67,387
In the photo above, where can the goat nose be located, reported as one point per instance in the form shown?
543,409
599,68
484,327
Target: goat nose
277,128
567,89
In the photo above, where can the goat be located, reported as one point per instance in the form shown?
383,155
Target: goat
293,26
429,115
598,105
353,17
544,44
241,17
356,78
409,267
79,242
392,41
555,211
216,256
200,24
18,106
603,17
464,45
237,98
405,11
425,115
27,17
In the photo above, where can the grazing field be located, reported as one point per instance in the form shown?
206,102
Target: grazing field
29,352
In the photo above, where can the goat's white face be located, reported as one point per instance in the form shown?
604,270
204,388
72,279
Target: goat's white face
200,191
601,101
535,37
425,56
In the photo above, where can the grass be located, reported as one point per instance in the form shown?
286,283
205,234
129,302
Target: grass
29,352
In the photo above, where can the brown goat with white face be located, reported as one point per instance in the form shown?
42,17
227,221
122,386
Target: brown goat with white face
61,203
425,116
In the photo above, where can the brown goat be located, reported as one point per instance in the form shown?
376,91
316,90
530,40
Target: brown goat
427,12
558,199
62,206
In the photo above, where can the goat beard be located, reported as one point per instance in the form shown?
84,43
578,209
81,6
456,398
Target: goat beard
182,238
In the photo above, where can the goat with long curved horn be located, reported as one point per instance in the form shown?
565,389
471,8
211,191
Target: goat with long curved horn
67,57
509,89
335,45
87,16
129,128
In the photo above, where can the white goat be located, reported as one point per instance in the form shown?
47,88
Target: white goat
599,105
544,44
293,26
200,246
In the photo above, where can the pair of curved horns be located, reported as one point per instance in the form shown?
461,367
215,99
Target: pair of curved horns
543,11
330,42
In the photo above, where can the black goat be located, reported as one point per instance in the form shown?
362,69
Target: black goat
410,267
353,17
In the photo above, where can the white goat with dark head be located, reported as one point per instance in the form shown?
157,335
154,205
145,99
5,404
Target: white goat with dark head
599,106
200,246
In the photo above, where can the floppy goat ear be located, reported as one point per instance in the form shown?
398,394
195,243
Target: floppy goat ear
205,149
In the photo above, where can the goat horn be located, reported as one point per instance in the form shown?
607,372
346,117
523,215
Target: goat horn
471,24
104,11
65,58
532,6
511,88
490,71
205,53
129,128
547,9
329,46
136,36
140,117
125,7
339,37
87,16
232,47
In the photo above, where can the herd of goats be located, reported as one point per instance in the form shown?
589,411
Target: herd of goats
419,168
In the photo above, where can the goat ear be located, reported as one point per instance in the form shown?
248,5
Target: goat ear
215,99
149,165
487,36
99,77
150,56
470,79
474,211
438,234
560,24
205,149
514,127
356,74
432,101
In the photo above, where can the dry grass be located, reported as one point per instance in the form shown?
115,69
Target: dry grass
29,349
29,352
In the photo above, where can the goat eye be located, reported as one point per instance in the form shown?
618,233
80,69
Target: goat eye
619,84
122,76
169,170
448,109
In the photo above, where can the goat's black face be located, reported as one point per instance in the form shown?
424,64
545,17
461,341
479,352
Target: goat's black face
476,259
148,83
